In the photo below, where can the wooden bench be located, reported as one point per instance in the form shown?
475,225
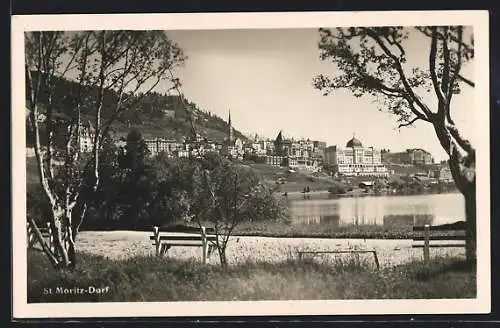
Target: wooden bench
184,236
46,234
445,235
348,251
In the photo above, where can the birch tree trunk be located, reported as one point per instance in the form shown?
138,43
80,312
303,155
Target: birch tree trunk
119,63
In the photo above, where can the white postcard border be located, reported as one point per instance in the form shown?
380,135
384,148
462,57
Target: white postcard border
20,24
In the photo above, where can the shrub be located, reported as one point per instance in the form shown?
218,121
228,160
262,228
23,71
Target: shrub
337,189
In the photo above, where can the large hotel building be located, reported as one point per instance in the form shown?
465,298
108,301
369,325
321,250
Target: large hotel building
355,159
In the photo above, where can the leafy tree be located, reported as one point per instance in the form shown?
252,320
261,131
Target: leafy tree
331,169
228,195
254,158
135,183
172,192
103,204
337,189
109,69
285,162
134,155
373,62
379,184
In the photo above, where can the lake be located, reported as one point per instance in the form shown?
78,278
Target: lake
389,211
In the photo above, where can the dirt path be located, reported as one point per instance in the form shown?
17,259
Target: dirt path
126,244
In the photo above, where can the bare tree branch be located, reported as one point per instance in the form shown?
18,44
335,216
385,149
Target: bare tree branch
401,72
445,80
432,67
409,122
461,141
33,117
456,70
393,42
119,109
466,80
181,96
417,112
425,30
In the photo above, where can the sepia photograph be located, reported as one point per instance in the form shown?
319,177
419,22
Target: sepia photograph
251,164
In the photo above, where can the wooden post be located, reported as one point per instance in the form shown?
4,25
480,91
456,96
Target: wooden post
426,243
51,238
31,236
204,244
156,235
376,259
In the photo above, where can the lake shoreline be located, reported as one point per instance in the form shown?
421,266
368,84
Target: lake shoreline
322,236
312,194
284,230
391,218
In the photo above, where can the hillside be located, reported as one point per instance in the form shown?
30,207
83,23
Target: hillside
168,119
295,181
154,115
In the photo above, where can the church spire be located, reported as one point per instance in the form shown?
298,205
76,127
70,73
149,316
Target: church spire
230,136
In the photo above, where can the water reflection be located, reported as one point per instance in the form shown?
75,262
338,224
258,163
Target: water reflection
390,211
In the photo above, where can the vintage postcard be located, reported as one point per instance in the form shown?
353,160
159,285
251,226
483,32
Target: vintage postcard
250,164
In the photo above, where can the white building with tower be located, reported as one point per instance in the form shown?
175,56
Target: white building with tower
356,160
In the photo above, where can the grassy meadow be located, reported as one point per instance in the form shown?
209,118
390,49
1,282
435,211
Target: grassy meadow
148,278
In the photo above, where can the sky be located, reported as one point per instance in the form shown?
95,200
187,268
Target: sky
264,77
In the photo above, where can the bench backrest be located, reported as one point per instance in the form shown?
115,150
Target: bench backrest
422,237
452,231
186,229
183,233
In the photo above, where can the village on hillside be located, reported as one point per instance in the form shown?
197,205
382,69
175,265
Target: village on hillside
306,155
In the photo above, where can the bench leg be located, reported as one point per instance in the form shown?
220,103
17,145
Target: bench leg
426,244
205,252
163,250
375,257
211,249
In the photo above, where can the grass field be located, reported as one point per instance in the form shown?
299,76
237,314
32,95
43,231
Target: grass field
296,181
149,278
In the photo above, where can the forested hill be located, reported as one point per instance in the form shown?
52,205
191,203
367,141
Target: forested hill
154,115
160,115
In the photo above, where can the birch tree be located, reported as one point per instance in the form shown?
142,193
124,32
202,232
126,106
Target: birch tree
107,70
373,62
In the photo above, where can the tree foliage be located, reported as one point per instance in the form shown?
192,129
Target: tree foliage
228,194
110,68
373,61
